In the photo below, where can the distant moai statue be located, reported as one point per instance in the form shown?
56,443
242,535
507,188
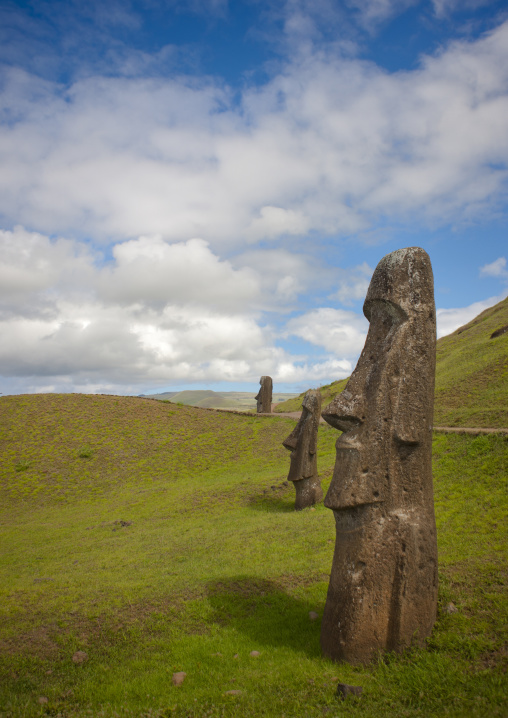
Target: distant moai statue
382,593
264,396
302,443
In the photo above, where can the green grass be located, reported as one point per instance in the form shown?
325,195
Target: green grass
175,546
328,392
208,399
471,375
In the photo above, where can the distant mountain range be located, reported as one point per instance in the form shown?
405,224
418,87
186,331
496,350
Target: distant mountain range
208,399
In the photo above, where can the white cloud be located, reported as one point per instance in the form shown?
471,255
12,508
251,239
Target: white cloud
340,332
157,313
328,145
448,320
276,221
442,8
151,271
497,268
373,12
313,374
353,284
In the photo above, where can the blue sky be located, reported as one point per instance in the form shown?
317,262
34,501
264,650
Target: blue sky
194,194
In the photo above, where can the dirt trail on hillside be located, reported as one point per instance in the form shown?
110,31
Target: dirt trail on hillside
445,429
476,431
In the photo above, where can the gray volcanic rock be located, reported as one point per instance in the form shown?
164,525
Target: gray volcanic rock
264,396
302,443
382,593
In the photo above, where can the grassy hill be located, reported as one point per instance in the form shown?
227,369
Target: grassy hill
471,374
208,399
158,538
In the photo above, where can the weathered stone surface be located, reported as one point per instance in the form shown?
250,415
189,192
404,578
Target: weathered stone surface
302,443
383,584
264,396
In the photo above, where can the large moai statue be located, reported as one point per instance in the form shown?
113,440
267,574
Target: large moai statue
383,584
302,443
264,396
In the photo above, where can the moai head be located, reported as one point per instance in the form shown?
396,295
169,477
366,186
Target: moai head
302,443
264,396
382,593
386,409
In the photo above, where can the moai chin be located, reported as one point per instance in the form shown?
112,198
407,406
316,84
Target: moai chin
302,443
383,584
264,396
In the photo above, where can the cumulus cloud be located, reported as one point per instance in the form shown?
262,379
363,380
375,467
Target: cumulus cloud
497,268
352,284
448,320
443,8
328,144
337,331
155,313
152,271
373,12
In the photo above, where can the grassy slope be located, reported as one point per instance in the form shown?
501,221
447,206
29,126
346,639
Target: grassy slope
215,564
328,392
208,399
471,375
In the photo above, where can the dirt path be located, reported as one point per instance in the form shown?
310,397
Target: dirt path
445,429
467,430
475,431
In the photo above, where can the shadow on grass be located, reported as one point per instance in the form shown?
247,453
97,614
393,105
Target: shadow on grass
270,503
263,611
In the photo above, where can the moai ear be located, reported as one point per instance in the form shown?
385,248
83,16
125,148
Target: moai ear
408,403
408,416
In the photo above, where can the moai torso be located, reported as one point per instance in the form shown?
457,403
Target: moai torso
383,584
302,442
264,396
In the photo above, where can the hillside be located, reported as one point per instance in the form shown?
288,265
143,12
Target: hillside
142,538
209,399
471,374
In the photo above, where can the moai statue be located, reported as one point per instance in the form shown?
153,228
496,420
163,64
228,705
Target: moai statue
302,443
383,584
264,397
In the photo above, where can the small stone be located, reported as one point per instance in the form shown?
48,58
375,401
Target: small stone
313,616
236,655
451,608
343,690
178,678
48,673
80,657
42,700
255,654
233,693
